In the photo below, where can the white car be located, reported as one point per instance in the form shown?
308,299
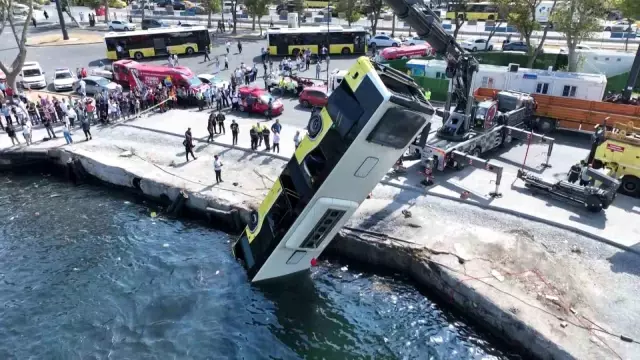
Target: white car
476,44
213,81
33,76
414,41
115,25
63,79
384,40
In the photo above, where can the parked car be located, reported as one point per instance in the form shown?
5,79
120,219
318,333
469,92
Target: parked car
384,40
63,79
260,101
314,96
213,81
476,44
33,76
578,47
97,84
121,25
153,23
518,46
179,5
414,41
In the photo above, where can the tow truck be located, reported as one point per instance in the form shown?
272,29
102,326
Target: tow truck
616,150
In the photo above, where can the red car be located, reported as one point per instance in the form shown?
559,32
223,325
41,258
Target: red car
314,96
259,101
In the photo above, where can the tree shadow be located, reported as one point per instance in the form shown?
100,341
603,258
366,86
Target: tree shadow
626,261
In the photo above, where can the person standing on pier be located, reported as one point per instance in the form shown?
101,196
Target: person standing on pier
265,136
220,119
26,132
47,125
297,139
211,124
253,133
217,167
86,128
234,132
188,144
12,134
66,131
276,142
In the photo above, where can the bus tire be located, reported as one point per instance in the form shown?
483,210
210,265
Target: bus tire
491,17
138,55
295,52
346,51
461,17
254,220
630,186
190,51
315,126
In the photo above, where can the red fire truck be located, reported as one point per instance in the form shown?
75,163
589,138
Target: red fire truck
405,52
134,74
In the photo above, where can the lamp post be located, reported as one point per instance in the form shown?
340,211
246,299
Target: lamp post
328,40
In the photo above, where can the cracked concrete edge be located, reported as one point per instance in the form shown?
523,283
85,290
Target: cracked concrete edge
449,287
517,213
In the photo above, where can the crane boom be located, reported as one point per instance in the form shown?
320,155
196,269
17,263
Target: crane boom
460,65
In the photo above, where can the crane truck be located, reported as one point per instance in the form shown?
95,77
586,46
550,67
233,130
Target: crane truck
369,121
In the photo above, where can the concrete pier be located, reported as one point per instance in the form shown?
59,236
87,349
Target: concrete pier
549,304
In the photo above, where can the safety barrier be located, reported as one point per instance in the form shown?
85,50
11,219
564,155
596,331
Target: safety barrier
623,35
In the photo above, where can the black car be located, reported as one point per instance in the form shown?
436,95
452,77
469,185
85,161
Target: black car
517,46
152,24
179,5
289,7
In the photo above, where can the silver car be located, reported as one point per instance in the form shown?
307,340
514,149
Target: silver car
97,84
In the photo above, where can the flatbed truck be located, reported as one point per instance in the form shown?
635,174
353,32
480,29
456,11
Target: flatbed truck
494,123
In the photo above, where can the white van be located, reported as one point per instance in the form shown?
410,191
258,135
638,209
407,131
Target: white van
33,76
336,78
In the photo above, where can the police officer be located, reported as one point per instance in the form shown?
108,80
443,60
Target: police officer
220,120
234,132
253,133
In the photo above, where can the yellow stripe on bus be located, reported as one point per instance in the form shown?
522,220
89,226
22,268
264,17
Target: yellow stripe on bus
112,55
337,48
273,50
301,48
307,145
264,208
146,52
357,72
182,49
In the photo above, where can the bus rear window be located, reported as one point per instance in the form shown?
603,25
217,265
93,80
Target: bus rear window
345,111
397,128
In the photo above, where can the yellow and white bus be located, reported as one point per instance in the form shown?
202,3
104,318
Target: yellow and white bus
156,42
369,120
290,41
474,11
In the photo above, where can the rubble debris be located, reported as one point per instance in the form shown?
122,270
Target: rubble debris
406,213
576,250
496,274
563,324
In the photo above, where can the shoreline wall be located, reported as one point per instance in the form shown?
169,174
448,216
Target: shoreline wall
411,262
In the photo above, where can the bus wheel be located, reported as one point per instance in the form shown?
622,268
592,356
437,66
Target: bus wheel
630,186
346,51
491,17
254,219
295,52
315,126
189,50
138,55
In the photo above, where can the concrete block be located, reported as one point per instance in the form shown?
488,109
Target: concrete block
308,14
489,23
387,17
283,17
472,22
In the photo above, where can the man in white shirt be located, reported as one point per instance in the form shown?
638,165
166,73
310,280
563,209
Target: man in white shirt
26,132
71,115
276,142
83,87
228,46
217,167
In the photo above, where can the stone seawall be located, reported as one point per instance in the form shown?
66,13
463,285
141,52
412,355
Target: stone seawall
413,262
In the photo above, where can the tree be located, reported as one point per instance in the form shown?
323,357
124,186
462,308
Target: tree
522,14
350,10
374,8
460,15
212,6
106,11
577,20
257,9
631,11
14,69
503,7
234,16
393,25
299,8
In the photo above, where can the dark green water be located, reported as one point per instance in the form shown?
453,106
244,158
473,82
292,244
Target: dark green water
87,273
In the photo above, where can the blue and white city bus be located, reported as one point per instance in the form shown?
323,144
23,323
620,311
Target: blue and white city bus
369,120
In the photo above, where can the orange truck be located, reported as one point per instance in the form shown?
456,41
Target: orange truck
557,112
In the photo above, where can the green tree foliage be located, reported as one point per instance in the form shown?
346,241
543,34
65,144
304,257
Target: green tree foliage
373,10
459,9
19,32
212,7
630,8
577,20
257,9
350,9
522,16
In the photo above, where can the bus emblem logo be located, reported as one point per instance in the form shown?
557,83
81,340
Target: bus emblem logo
615,148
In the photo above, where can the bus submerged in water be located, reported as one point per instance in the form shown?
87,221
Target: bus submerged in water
368,122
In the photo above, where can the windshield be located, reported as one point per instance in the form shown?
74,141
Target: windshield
31,72
480,113
102,81
265,98
194,81
63,75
